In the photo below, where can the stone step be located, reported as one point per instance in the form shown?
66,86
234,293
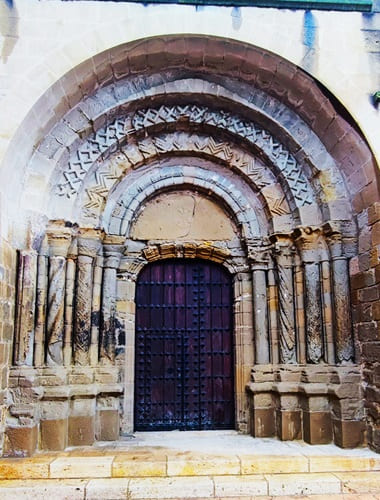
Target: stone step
157,473
170,463
344,485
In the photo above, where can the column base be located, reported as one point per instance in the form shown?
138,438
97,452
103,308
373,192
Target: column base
349,433
264,422
53,434
108,425
81,431
20,441
289,424
317,427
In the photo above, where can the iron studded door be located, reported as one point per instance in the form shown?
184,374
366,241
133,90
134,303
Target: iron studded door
184,353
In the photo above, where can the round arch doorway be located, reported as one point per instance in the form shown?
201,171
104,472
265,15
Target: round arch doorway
184,350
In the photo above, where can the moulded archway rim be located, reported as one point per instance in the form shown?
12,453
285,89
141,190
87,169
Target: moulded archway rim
273,62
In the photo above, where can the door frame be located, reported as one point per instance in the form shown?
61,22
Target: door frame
242,324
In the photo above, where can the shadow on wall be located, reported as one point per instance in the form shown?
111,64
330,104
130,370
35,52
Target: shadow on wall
8,28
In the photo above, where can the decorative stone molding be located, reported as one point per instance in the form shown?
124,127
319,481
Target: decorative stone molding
130,196
185,250
105,179
110,136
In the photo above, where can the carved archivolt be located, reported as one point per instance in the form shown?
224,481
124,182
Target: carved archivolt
106,177
258,137
132,194
111,138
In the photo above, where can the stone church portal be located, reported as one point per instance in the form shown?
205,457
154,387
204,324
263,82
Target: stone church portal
186,263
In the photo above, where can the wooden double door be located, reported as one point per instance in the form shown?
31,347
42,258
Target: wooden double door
184,349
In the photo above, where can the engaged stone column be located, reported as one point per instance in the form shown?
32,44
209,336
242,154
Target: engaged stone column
244,350
88,245
328,313
300,310
113,247
307,240
96,309
258,256
69,303
344,348
273,312
42,288
24,328
284,252
59,239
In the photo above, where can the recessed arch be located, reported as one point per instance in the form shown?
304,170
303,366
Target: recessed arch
118,216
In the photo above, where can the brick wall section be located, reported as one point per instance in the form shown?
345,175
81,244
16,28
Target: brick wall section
7,302
365,281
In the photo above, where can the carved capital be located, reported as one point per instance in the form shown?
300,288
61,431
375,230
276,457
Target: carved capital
283,248
259,253
89,241
334,236
113,248
59,235
308,241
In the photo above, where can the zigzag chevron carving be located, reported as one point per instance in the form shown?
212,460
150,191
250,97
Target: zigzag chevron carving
150,147
108,139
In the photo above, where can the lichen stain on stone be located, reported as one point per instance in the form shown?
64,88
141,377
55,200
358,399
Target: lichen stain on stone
8,28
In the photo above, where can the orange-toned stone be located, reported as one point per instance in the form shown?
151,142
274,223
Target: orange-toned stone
139,464
25,468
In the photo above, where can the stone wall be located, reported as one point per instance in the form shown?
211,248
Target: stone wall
8,265
365,281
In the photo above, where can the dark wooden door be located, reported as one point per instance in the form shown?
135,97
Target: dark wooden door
184,351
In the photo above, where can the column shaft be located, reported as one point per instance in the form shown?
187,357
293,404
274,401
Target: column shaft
69,310
342,310
338,233
300,312
56,306
260,313
273,315
313,313
113,248
39,333
327,313
286,314
89,241
96,310
59,239
25,307
82,321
